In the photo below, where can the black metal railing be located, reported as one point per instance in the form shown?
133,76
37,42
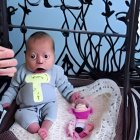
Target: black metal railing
92,64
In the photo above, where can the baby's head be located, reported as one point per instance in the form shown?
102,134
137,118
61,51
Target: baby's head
40,52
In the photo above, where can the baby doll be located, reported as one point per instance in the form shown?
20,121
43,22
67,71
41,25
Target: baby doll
81,110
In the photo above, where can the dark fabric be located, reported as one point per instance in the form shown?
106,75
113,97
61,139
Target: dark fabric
133,116
119,125
4,84
7,135
8,119
134,133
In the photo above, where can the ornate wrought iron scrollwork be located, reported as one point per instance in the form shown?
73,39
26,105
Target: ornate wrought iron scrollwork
102,56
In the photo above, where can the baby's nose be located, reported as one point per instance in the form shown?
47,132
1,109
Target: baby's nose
40,59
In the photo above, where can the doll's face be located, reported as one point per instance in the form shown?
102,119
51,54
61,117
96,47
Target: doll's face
40,55
81,107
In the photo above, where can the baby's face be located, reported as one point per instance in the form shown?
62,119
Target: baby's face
40,55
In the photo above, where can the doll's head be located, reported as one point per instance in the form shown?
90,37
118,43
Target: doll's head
39,52
81,105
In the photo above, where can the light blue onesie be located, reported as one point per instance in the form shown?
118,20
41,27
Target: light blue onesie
35,93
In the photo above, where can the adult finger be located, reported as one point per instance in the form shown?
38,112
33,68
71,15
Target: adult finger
8,63
8,71
6,53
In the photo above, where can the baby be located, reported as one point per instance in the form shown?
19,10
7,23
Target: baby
33,86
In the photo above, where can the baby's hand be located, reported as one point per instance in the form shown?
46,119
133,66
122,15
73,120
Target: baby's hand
6,105
75,96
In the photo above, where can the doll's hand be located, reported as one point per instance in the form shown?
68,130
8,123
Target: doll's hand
75,96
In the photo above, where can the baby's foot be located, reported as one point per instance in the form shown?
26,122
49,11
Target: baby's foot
43,133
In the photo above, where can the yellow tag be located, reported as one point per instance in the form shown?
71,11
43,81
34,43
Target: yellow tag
36,80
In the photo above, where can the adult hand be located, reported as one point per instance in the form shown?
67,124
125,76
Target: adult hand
7,62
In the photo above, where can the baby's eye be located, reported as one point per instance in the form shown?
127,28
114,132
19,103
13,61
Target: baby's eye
33,56
46,56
